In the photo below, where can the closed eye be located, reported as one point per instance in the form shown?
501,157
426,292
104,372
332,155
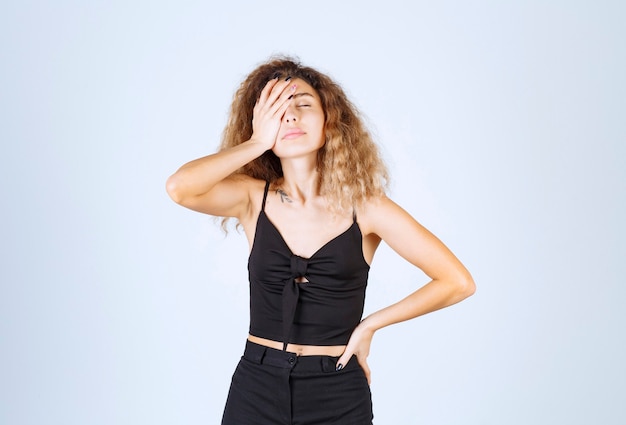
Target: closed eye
304,105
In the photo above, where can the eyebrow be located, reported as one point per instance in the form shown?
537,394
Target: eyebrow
303,94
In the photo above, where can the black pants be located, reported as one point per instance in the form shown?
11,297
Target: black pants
274,387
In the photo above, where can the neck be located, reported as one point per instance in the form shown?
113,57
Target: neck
300,181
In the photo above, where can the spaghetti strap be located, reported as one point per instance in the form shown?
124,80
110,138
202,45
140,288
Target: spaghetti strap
267,186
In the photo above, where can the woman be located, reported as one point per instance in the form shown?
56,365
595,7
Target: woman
300,173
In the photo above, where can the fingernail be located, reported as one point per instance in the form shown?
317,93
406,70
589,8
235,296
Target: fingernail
339,367
276,76
290,97
288,78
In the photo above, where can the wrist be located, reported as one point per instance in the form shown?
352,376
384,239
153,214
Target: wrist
368,325
255,141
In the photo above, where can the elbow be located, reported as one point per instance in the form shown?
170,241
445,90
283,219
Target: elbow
466,285
461,285
172,187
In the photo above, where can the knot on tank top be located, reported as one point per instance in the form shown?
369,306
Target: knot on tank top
298,266
291,293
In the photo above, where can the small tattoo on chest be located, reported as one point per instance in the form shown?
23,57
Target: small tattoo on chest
283,196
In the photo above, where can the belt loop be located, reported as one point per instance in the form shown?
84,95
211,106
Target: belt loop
262,356
329,364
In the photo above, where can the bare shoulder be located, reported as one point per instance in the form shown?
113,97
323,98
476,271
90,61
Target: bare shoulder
380,213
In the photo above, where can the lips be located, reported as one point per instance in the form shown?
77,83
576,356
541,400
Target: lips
293,133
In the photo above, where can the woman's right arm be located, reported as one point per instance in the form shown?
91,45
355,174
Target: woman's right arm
208,184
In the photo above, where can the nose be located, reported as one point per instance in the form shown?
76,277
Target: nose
290,115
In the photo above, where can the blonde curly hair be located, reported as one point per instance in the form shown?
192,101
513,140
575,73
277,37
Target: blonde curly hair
350,167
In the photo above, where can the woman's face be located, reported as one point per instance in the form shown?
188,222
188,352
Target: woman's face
302,128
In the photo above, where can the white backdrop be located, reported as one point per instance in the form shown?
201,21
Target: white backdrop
503,125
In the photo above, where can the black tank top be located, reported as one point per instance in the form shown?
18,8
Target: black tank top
323,311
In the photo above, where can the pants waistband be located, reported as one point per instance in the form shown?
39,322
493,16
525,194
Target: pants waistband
261,354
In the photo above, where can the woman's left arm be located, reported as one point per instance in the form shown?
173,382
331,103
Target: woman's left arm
450,280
